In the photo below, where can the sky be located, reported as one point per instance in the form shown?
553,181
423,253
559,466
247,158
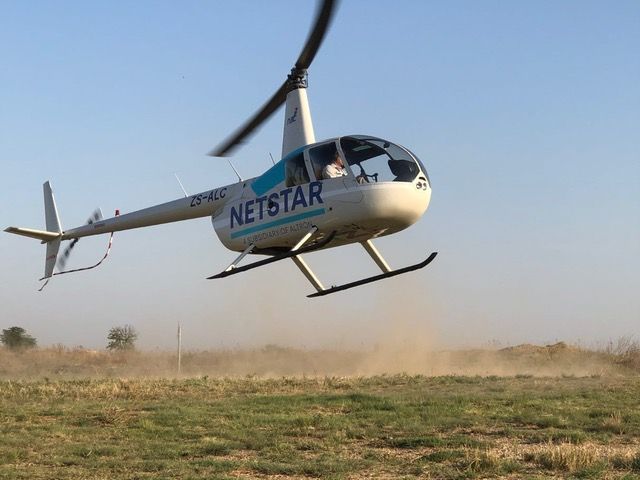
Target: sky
526,115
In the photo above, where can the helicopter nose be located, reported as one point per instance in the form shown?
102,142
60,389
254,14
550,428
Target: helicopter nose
416,204
398,205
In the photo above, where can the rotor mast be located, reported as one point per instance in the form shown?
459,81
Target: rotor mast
298,127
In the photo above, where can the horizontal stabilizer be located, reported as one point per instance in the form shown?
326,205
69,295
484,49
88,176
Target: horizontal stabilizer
30,232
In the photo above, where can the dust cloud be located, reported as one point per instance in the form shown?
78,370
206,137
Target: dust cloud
391,333
275,361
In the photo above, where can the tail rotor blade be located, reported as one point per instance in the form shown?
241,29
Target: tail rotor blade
62,259
96,216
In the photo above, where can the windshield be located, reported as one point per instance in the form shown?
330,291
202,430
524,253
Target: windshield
375,160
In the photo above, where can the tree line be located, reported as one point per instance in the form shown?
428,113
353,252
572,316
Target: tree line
118,339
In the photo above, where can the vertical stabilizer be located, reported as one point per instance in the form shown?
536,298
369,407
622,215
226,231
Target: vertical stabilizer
53,225
52,255
50,211
298,128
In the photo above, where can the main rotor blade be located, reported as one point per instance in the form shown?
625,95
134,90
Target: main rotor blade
225,148
320,27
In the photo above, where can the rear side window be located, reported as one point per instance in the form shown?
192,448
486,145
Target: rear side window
296,171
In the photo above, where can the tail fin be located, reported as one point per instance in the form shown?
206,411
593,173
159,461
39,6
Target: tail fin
52,221
51,236
51,257
50,211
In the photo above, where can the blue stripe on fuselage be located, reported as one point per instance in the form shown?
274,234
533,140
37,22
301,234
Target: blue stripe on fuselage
273,176
275,223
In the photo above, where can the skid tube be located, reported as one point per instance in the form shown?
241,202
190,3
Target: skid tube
375,278
321,244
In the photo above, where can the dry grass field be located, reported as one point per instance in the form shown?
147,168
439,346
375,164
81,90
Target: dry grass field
618,358
284,413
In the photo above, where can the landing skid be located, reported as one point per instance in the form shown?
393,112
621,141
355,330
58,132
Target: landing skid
374,278
233,269
299,249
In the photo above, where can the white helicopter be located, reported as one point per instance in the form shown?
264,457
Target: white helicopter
319,195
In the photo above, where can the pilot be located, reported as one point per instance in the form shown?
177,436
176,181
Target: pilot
335,168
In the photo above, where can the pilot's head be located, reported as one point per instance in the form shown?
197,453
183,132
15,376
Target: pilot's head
337,159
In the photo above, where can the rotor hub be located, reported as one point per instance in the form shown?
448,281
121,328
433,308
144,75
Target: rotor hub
298,78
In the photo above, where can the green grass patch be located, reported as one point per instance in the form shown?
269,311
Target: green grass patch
390,426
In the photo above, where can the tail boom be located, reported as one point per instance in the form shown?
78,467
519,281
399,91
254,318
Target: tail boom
200,205
188,208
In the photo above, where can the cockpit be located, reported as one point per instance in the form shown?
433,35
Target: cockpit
375,160
367,159
360,159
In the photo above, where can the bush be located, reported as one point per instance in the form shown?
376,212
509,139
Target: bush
625,351
122,338
16,338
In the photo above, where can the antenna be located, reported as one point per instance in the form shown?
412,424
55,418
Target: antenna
272,160
181,186
234,169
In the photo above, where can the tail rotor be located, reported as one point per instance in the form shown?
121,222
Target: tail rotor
96,216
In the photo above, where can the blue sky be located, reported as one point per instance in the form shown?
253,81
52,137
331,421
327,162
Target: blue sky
526,114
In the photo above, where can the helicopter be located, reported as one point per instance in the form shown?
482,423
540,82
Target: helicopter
319,195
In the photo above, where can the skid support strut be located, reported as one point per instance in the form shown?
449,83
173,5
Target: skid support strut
246,252
302,265
299,249
375,254
304,268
